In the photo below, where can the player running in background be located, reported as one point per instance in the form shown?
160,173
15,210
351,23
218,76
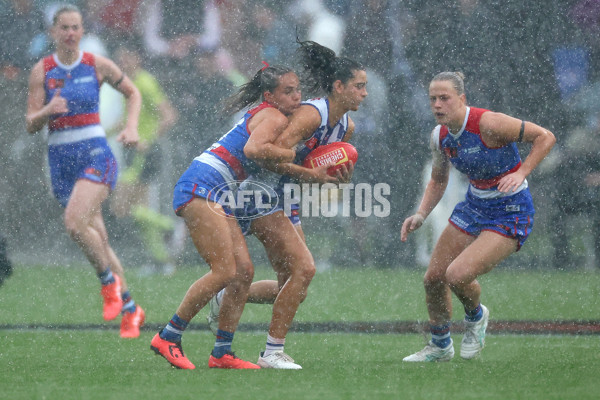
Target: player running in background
494,220
143,164
200,197
64,94
317,122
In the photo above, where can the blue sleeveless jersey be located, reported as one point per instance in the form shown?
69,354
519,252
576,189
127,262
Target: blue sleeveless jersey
77,146
485,207
79,85
217,171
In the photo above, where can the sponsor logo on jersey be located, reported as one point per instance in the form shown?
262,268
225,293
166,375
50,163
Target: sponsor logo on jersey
84,79
54,83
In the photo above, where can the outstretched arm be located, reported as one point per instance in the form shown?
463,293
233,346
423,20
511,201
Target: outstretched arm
433,192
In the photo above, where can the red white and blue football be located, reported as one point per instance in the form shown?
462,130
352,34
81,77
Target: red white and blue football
339,153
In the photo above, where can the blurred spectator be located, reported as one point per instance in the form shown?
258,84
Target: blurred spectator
576,214
6,267
574,177
136,194
275,22
19,22
116,21
175,34
323,26
394,113
178,28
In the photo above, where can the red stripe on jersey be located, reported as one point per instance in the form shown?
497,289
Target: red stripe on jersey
49,63
233,162
255,110
473,120
88,59
489,183
74,121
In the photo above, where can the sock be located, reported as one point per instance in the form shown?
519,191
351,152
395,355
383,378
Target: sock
106,277
273,345
174,329
474,315
128,303
222,344
440,335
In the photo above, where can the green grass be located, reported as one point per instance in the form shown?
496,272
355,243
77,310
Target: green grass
97,364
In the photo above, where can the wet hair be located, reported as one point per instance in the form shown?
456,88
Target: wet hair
64,9
321,67
456,78
265,80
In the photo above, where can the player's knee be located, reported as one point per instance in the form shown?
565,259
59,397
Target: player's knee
304,272
433,280
225,274
455,279
73,226
245,272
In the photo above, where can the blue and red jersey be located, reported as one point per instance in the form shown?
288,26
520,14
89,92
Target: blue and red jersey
78,84
229,149
483,165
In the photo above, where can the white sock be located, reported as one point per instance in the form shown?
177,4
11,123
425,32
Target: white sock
273,345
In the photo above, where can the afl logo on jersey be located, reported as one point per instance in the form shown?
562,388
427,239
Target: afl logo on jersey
55,83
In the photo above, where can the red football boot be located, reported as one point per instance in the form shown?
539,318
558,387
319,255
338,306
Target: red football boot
172,352
113,303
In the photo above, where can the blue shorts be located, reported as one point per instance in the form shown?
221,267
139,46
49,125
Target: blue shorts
510,216
90,159
202,180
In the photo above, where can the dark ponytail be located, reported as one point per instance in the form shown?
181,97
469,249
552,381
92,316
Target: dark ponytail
265,80
321,67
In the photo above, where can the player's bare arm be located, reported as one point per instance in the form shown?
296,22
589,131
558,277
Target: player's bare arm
434,191
500,129
109,72
266,126
38,113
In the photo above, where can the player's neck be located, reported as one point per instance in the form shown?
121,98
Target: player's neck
336,111
67,57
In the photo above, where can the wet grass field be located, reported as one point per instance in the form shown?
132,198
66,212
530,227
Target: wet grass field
54,343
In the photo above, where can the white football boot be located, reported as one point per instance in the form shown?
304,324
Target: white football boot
432,353
474,339
213,312
277,360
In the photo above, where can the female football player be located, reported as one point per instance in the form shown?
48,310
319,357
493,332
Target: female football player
494,220
64,94
317,122
202,197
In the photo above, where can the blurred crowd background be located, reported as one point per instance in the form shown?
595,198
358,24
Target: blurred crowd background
536,60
